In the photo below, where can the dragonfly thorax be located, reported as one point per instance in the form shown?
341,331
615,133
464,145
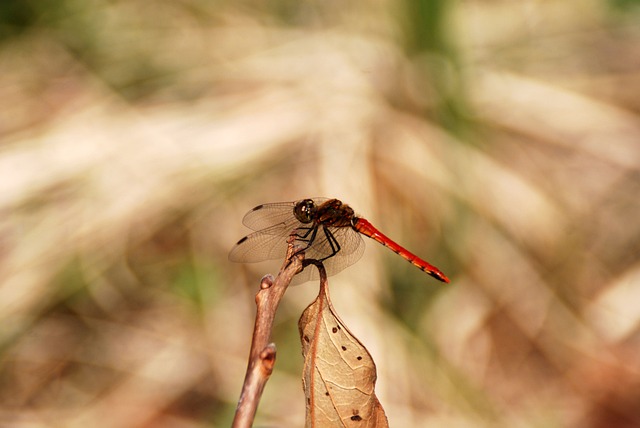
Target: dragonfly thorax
333,213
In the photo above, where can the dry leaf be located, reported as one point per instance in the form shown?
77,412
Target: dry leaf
339,374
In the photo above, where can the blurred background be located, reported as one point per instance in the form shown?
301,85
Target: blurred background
499,140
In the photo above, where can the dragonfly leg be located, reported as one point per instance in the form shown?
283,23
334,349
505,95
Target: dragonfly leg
305,236
308,240
309,236
333,243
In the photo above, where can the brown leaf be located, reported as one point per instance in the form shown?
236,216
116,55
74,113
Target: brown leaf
339,374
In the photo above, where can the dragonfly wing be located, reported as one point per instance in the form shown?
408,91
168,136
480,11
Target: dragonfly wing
267,244
353,247
334,264
348,240
266,215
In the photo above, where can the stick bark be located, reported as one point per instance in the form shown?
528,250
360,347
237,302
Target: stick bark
262,356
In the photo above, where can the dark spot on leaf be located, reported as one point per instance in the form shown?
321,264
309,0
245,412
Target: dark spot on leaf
306,338
344,348
308,400
334,329
356,418
242,240
359,357
326,393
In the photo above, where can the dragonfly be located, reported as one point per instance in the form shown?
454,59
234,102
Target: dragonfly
327,230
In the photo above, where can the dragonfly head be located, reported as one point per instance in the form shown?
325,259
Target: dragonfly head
304,210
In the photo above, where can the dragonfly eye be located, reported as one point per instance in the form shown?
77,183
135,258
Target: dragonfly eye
304,210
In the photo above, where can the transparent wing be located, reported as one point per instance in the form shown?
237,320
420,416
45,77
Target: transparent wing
266,215
266,244
271,243
348,241
352,249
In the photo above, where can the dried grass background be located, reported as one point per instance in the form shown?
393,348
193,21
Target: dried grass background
499,139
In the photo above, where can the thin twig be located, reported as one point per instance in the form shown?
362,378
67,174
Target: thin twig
262,356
